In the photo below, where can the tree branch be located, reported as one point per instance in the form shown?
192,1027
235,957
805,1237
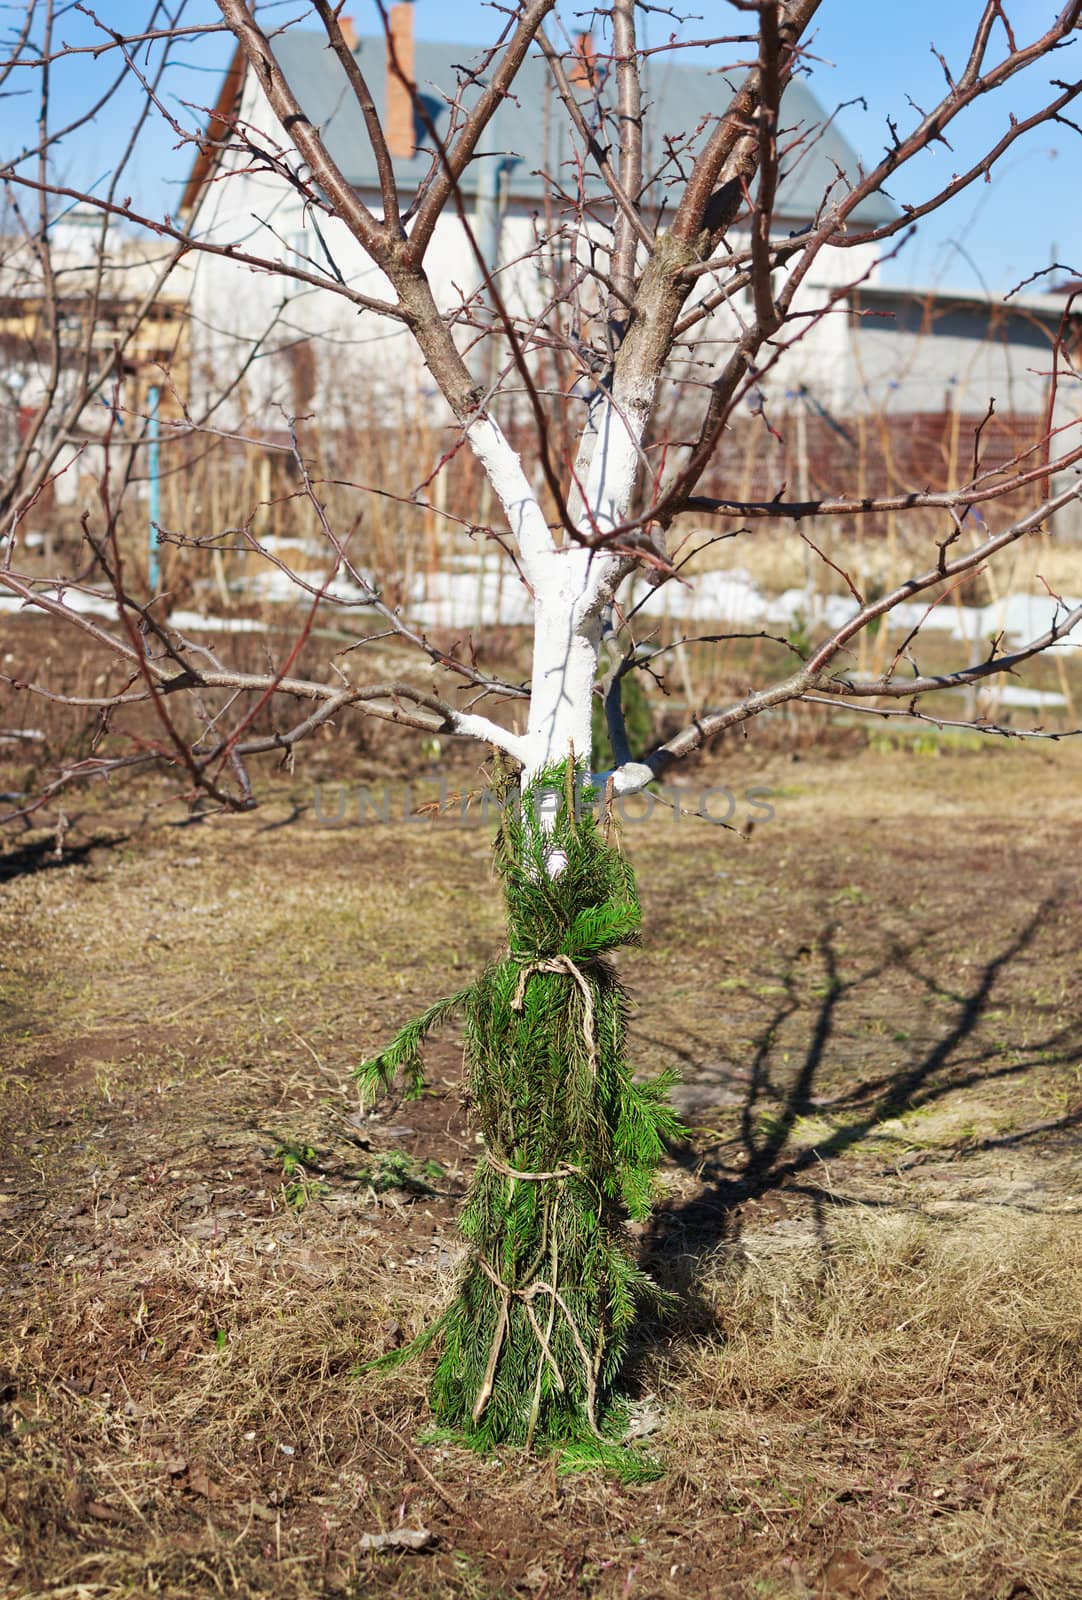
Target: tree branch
458,156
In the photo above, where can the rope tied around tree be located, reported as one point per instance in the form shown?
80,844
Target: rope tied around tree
539,1286
570,969
508,1171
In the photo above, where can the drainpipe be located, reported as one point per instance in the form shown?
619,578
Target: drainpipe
491,204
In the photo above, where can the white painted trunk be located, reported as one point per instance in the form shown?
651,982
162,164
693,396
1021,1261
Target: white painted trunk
571,584
615,462
567,637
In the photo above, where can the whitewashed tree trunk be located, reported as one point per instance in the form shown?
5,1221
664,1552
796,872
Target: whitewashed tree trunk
571,583
567,638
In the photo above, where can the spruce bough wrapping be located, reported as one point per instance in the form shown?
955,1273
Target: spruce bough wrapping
532,1344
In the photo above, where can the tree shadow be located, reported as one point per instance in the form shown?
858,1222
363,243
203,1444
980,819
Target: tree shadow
43,856
764,1157
298,810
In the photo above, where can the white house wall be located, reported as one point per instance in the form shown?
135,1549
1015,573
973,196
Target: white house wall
848,365
901,371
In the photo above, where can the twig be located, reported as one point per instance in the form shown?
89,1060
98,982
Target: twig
445,1495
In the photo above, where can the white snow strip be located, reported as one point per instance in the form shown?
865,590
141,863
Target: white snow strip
481,592
192,621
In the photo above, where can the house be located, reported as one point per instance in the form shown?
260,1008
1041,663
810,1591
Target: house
928,380
887,388
100,307
522,187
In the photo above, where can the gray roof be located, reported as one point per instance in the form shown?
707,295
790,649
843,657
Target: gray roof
1048,307
679,99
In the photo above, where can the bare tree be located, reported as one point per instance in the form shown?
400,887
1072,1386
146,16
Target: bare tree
662,296
83,304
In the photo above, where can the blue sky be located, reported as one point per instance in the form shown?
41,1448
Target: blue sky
992,235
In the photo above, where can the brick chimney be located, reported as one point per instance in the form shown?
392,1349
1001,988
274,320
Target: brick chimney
399,119
348,26
584,63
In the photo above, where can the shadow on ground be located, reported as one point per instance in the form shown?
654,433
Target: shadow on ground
46,855
766,1156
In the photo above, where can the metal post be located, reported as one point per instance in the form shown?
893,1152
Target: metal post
153,568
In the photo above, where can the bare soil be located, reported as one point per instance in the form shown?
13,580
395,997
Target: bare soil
871,1386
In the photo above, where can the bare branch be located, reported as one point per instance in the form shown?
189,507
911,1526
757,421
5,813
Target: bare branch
811,677
460,152
621,192
375,237
358,83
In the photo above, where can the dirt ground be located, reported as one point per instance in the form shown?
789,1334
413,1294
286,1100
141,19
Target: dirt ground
871,1387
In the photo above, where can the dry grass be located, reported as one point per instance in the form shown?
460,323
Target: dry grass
777,558
927,1373
873,1390
189,1466
982,1312
893,1388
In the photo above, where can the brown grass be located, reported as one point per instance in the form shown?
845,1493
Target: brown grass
929,1372
778,558
894,1388
872,1388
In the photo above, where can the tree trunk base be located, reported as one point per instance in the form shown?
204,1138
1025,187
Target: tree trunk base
533,1343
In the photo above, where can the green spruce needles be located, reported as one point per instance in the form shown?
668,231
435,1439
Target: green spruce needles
532,1344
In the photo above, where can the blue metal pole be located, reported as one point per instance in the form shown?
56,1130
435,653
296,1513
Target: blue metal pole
153,568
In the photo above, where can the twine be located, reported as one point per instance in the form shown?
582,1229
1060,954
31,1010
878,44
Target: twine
565,965
539,1286
568,967
500,1166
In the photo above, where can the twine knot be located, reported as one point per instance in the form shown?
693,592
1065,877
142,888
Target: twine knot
570,969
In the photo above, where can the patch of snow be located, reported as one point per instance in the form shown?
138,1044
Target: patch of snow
185,621
74,599
1013,694
478,592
